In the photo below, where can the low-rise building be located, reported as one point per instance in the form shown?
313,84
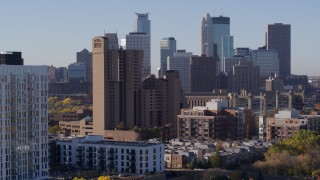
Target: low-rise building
95,153
77,127
284,124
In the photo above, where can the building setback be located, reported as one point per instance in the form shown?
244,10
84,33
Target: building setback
278,37
24,122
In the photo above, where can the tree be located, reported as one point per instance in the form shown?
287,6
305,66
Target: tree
120,125
215,160
76,178
219,145
104,178
54,129
67,101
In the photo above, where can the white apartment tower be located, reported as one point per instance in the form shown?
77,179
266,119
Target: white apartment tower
23,122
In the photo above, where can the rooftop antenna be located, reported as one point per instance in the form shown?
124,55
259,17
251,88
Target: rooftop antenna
104,31
222,11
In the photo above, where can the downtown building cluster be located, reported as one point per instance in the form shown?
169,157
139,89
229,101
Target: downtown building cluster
215,95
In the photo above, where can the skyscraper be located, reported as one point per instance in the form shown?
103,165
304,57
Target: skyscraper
85,57
227,49
24,122
278,37
11,58
141,41
213,30
207,45
142,23
113,40
181,62
267,60
168,47
116,81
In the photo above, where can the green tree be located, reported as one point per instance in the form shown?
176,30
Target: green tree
54,129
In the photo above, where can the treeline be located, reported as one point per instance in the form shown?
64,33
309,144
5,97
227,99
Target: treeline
296,156
66,105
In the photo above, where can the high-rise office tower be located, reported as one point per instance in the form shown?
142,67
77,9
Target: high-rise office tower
76,72
11,58
116,82
181,62
278,37
142,23
242,51
227,48
168,47
24,122
138,41
267,60
207,45
141,41
245,77
113,40
85,57
213,30
203,74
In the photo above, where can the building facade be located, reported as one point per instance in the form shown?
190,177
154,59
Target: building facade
92,152
141,41
278,37
116,81
245,77
24,122
203,74
226,48
181,62
76,72
11,58
168,46
267,60
160,102
85,57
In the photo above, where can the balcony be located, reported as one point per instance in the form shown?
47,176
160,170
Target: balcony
110,158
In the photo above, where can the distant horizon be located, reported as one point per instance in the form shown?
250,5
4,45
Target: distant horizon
51,33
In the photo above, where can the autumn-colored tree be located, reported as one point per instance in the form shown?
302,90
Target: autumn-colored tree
215,160
219,145
296,156
104,178
76,178
67,101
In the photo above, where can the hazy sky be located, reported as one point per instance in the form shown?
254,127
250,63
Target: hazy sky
51,32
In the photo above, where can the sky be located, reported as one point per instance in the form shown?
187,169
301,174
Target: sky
51,32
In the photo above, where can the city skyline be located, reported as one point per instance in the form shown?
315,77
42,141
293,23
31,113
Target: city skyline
63,33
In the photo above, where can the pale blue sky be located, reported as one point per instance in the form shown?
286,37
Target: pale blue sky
51,32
